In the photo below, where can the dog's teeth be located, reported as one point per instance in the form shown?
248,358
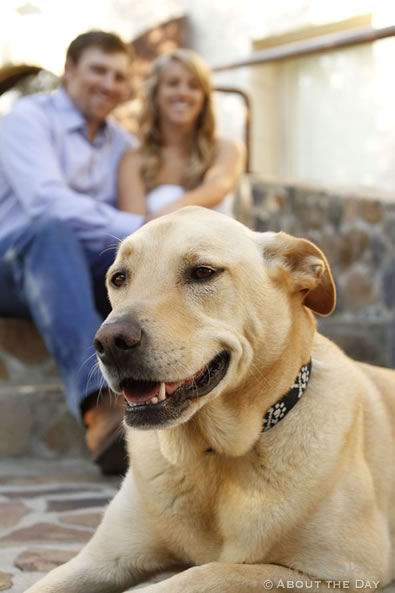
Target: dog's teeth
162,392
154,400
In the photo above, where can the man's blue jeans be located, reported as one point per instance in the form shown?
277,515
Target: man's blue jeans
46,274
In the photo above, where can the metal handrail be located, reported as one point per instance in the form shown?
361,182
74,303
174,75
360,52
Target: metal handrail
247,118
311,46
295,50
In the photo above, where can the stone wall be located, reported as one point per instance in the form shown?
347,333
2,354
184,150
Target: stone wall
34,419
24,359
357,234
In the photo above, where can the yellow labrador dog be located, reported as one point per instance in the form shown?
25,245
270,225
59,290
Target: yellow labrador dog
261,456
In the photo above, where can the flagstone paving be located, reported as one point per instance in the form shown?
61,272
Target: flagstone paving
48,511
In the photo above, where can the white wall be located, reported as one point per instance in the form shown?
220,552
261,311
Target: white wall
328,118
221,30
339,117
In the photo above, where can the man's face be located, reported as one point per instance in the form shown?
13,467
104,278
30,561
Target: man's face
98,83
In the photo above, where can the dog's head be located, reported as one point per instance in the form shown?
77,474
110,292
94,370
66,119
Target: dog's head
198,301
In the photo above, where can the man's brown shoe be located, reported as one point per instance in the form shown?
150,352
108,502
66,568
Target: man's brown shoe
105,433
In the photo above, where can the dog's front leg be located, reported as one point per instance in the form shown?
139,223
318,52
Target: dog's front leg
220,577
123,552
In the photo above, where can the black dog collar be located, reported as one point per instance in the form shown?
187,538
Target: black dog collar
287,402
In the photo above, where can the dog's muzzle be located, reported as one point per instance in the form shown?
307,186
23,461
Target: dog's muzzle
151,401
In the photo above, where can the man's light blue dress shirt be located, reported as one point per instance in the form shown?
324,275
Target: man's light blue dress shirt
48,167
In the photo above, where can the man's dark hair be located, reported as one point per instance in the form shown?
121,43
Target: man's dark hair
108,42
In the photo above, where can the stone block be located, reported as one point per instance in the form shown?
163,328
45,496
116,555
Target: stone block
389,223
350,246
90,520
16,423
312,209
389,284
44,492
24,359
20,339
372,211
359,290
70,504
378,251
43,559
335,212
4,374
5,581
46,533
11,513
362,340
35,420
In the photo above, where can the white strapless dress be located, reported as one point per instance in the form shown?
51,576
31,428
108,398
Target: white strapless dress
163,195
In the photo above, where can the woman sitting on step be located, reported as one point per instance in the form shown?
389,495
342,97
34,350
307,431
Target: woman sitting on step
181,161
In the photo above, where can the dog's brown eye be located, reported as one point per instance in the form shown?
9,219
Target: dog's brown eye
202,273
118,279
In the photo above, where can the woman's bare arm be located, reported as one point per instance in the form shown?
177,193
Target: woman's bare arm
131,191
220,179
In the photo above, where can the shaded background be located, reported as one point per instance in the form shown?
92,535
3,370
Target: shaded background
324,118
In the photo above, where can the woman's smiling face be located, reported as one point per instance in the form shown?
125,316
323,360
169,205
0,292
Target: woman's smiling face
180,97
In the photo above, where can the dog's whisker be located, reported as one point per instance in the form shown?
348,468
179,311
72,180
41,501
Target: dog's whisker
94,370
102,393
87,360
258,373
113,236
111,248
113,397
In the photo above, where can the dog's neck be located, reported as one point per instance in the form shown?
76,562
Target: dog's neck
284,405
218,429
230,425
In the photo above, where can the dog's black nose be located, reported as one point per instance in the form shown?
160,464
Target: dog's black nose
115,339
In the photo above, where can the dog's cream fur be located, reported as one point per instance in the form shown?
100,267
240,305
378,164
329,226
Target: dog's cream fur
310,500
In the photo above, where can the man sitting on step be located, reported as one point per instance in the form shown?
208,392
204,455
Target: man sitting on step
59,224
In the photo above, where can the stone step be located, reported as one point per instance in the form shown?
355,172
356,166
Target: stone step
24,359
48,511
35,421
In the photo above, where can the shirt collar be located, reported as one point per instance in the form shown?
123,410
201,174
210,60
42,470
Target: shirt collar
73,119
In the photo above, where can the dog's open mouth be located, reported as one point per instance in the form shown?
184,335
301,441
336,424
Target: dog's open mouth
156,394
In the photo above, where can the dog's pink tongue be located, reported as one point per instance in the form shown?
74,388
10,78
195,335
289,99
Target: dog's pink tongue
135,395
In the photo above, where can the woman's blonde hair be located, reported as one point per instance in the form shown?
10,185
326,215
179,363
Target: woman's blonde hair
203,141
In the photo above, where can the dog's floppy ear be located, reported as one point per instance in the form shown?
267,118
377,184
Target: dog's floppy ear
304,268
